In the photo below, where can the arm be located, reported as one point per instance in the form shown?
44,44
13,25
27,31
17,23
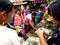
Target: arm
24,14
31,23
42,40
41,37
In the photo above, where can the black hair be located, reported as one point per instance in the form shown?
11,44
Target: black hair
17,10
34,13
50,7
6,6
54,8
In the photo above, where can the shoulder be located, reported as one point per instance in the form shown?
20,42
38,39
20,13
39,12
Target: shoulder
29,15
7,30
11,31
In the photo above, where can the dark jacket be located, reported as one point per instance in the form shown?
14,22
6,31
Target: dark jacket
55,38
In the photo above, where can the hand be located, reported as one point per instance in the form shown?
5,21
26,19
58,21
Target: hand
40,32
46,32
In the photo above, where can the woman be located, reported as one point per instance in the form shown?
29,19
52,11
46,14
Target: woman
7,36
26,11
18,19
54,39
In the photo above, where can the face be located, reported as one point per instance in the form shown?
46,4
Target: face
8,16
18,12
27,7
33,16
57,23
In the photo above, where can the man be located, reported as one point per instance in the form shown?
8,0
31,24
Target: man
29,21
54,39
7,36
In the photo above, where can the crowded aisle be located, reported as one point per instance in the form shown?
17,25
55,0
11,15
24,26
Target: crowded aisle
30,22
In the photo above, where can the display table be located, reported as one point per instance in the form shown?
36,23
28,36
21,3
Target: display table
31,41
33,38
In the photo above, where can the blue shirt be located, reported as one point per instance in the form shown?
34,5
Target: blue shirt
38,14
12,19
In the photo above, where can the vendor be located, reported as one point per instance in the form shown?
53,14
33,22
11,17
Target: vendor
54,39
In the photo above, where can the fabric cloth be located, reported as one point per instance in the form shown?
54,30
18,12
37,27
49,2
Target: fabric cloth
38,14
27,26
27,18
27,11
8,36
54,38
12,20
18,20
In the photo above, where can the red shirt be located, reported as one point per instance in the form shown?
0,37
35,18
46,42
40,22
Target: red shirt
18,20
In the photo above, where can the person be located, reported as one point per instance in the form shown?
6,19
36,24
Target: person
18,19
7,36
38,13
54,38
29,21
11,22
38,16
27,11
42,12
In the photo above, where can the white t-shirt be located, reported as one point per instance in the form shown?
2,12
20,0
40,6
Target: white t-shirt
8,36
27,18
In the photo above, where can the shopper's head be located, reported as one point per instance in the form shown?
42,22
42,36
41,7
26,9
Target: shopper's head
27,7
17,11
6,10
33,14
54,11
